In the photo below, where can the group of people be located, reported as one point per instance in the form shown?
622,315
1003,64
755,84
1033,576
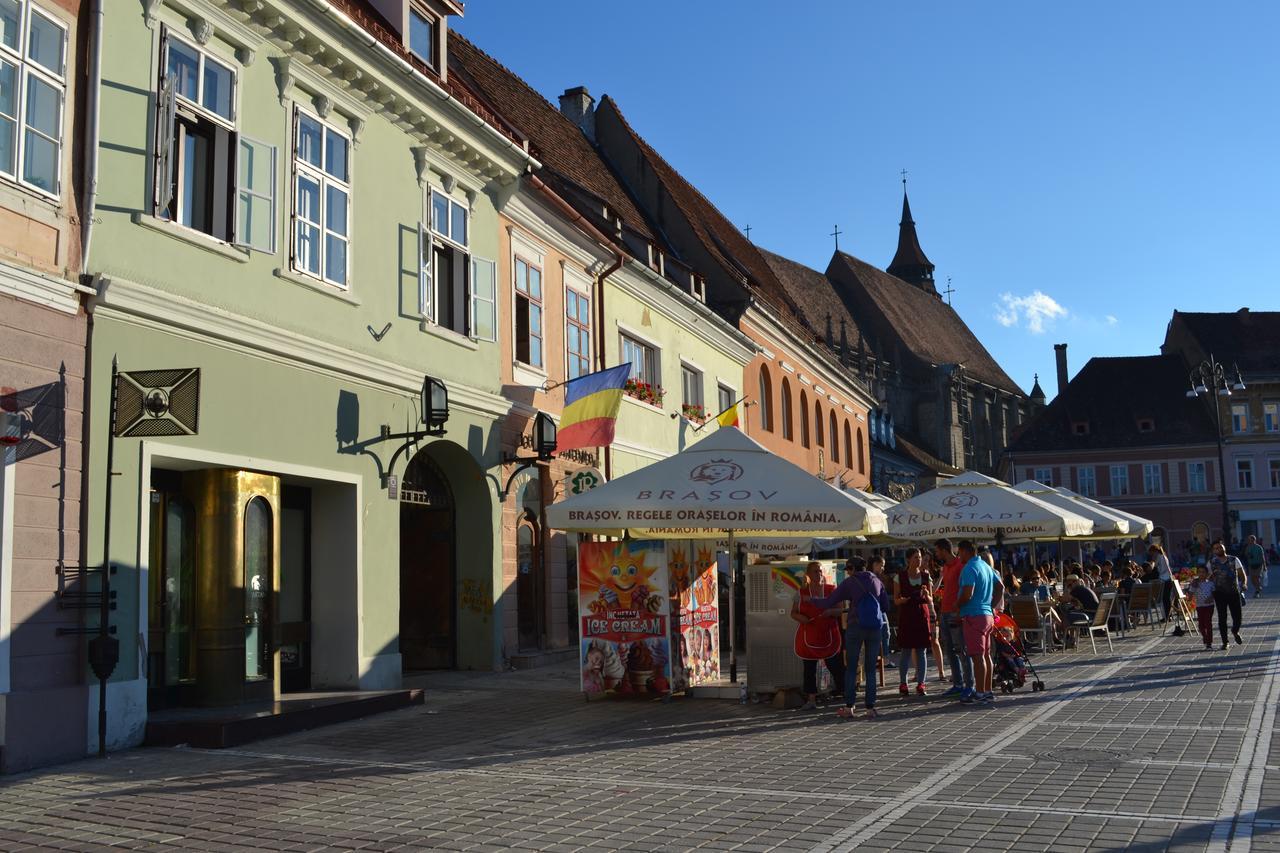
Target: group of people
946,603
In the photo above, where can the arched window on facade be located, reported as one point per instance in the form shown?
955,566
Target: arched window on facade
848,445
817,425
835,438
804,420
784,409
766,399
862,455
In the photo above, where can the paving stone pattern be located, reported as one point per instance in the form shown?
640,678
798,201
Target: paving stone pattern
1157,746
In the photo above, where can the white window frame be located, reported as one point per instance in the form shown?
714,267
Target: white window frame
733,396
1119,480
433,61
323,180
240,235
1239,427
477,299
1271,416
521,258
1197,477
24,69
1244,470
574,323
699,382
655,362
1152,478
1087,475
432,235
1044,475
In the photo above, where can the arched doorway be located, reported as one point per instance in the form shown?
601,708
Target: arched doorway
428,568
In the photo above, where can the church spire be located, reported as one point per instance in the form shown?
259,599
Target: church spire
910,263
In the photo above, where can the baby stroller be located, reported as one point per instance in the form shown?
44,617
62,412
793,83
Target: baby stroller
1012,664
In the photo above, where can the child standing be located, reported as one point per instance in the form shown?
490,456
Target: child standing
1202,589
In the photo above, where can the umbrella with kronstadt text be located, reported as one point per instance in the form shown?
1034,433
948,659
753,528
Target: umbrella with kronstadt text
724,483
975,506
724,486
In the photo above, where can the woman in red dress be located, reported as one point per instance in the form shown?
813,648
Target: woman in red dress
912,592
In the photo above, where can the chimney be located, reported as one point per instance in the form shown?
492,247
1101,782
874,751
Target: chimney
1060,351
578,106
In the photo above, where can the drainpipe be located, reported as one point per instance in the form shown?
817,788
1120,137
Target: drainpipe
620,257
94,114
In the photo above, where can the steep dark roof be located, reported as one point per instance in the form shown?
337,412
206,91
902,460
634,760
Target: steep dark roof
915,452
1037,393
1111,396
559,144
924,325
816,299
720,238
909,262
1250,339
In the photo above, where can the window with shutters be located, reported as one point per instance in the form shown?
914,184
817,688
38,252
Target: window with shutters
196,141
321,200
33,90
454,293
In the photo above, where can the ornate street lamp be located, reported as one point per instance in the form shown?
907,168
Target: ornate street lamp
544,446
1209,374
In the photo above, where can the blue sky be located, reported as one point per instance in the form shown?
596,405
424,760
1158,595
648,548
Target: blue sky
1079,170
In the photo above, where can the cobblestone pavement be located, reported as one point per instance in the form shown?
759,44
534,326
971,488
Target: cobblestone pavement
1159,745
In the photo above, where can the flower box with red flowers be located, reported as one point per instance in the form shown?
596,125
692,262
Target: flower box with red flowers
697,414
644,392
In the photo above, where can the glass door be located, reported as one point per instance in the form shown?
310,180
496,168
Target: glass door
171,600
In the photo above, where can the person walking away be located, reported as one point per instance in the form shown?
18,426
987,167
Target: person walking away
1256,559
1202,589
912,592
981,593
803,611
868,601
1156,554
952,634
1229,586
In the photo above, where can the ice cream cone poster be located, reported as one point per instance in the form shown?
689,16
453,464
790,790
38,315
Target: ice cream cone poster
622,601
700,616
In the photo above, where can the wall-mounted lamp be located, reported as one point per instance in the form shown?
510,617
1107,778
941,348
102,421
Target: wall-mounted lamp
434,403
544,445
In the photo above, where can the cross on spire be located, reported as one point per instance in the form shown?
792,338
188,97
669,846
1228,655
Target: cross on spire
836,232
904,178
950,290
746,229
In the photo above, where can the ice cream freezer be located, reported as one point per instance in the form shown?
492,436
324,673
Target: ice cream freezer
772,664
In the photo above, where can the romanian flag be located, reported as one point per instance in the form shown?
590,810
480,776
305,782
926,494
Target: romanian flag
729,417
591,406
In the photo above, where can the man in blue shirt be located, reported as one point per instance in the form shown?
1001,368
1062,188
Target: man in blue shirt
981,591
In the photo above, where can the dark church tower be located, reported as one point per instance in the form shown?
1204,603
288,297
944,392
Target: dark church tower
910,263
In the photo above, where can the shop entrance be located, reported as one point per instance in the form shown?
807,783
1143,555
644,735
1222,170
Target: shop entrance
428,626
214,555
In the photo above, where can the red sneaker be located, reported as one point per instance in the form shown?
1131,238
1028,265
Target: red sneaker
921,690
902,689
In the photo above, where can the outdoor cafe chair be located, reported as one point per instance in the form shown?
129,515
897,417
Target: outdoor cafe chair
1141,605
1100,619
1025,612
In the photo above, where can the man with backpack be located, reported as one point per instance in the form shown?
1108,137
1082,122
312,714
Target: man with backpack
869,602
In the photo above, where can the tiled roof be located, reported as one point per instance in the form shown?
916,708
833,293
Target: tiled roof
1250,339
560,145
718,236
919,321
816,298
1110,396
913,451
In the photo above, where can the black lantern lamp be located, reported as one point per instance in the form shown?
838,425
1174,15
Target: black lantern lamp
1209,376
544,446
434,402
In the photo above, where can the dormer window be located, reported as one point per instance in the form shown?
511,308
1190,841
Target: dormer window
1080,427
424,36
1146,425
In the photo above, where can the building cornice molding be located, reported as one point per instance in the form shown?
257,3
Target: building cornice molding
40,289
645,286
148,307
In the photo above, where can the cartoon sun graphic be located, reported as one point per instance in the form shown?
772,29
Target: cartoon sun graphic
678,572
704,584
621,581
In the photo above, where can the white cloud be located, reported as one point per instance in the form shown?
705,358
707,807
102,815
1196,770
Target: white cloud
1111,320
1033,311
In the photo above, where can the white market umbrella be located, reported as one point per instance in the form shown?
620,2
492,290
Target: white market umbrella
1139,527
975,506
724,484
1106,525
